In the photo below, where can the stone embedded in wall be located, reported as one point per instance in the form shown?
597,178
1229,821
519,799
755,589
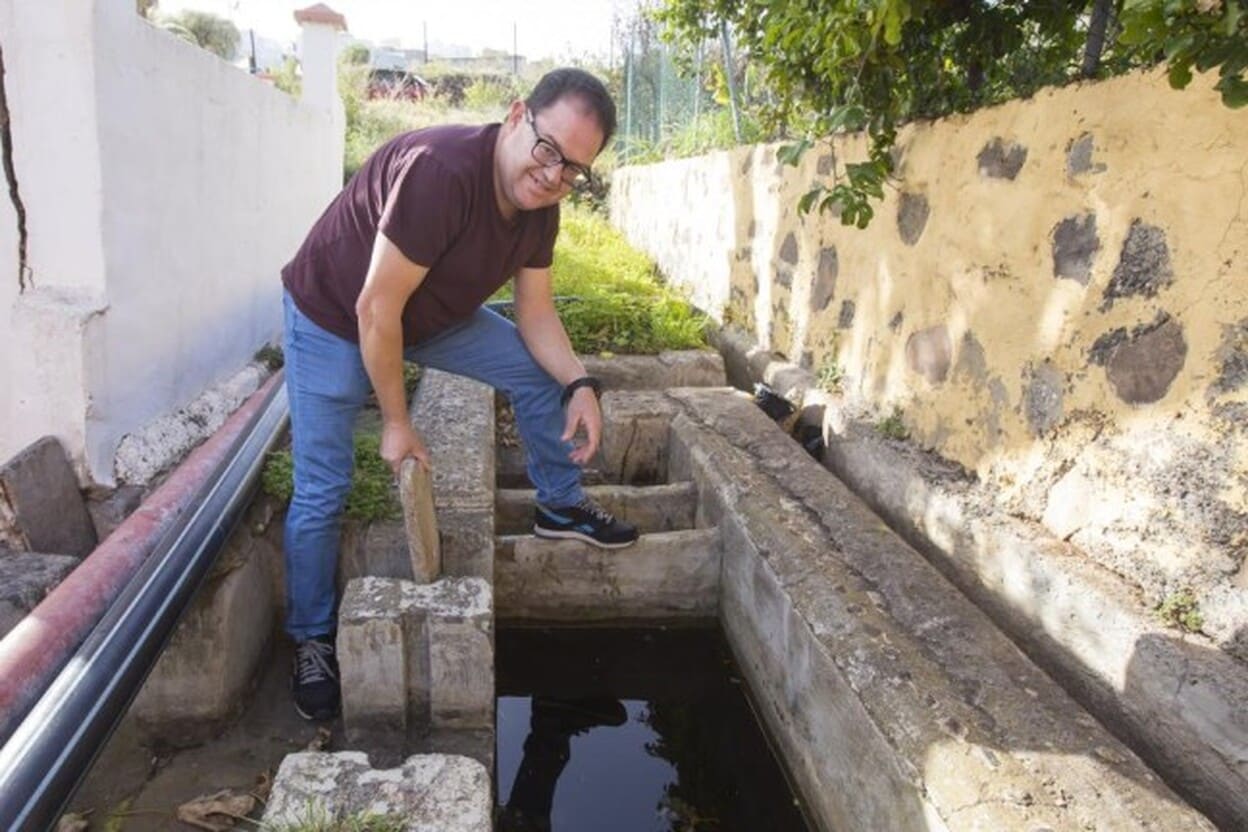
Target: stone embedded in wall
41,507
1232,358
929,353
912,215
972,363
1142,364
1143,268
1075,245
1001,160
896,321
846,318
825,280
1042,398
1079,156
784,277
824,166
788,249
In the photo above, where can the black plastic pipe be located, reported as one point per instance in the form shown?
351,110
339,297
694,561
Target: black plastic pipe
47,757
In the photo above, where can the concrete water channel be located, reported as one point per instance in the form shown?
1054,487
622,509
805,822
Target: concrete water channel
889,700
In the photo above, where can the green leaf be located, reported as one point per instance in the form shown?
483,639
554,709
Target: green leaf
1180,74
1234,92
808,200
791,154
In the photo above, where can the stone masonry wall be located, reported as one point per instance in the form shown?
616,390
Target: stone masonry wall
1053,293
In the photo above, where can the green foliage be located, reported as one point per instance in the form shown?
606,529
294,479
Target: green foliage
618,303
848,65
1194,34
1182,610
287,79
894,427
206,30
372,496
491,93
411,377
146,8
355,54
271,356
830,375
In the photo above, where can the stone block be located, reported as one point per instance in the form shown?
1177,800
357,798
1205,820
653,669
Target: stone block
416,495
634,437
672,368
41,508
653,508
447,793
667,575
378,549
415,657
205,672
25,579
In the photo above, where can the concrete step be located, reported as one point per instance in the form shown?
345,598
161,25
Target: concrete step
665,575
654,508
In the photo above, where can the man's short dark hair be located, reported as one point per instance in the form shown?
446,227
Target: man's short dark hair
575,83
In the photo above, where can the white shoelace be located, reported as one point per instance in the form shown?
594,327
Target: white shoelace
589,506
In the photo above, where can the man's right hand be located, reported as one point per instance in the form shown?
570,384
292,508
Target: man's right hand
399,442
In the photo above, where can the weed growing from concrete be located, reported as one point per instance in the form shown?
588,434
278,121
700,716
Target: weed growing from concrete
1181,609
317,819
270,355
411,377
893,427
830,375
373,495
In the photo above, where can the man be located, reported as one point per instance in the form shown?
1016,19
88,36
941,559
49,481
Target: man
398,267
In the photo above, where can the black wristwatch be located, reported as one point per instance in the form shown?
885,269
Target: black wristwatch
574,385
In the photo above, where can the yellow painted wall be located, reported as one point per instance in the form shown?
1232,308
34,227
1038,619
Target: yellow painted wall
1076,335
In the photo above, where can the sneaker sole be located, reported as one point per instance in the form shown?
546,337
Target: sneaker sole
555,534
310,718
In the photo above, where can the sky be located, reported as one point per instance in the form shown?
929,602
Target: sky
544,28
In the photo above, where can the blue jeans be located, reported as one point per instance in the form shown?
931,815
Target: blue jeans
327,385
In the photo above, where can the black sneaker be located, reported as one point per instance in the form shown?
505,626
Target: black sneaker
584,521
314,681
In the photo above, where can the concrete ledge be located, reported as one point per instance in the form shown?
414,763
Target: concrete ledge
897,704
414,657
672,368
455,416
25,578
668,575
429,791
1177,699
654,508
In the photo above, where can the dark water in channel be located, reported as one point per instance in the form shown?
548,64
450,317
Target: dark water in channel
631,730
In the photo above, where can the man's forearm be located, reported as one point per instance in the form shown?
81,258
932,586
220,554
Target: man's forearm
546,339
381,346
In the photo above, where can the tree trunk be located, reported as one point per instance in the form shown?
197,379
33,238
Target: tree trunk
1097,26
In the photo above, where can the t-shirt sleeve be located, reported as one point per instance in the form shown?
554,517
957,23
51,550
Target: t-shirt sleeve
425,210
545,253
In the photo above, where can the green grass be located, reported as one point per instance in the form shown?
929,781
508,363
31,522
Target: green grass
620,303
893,427
372,495
1182,610
317,820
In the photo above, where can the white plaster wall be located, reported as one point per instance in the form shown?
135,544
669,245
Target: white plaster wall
164,189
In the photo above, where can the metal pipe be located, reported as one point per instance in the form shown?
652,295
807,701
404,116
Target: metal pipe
51,751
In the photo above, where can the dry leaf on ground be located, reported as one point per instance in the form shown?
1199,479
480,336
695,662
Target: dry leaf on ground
216,812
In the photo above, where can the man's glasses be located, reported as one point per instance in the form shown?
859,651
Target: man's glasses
549,156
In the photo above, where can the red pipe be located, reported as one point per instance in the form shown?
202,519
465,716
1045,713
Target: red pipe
37,648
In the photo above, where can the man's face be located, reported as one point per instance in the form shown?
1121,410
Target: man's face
563,130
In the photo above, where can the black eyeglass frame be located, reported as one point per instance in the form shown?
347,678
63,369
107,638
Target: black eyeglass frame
582,176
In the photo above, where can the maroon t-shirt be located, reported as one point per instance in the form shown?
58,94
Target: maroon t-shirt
431,192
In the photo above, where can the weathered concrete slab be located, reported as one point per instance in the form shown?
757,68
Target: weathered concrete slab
667,575
634,437
428,793
25,579
41,508
204,674
415,656
416,495
455,415
672,368
654,508
896,703
1177,699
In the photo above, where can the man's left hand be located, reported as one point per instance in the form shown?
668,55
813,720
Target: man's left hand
583,413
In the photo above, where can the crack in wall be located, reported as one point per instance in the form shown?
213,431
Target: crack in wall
25,277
